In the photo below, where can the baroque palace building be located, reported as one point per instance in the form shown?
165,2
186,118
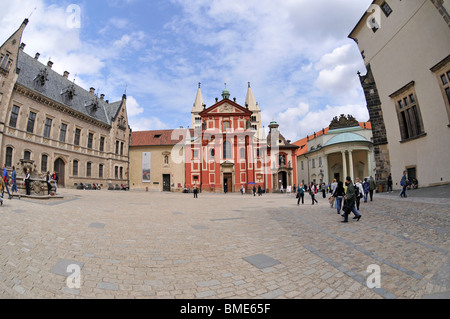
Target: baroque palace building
405,46
48,123
345,148
227,148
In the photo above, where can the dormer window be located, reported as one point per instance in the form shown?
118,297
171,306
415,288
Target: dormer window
92,107
68,94
40,79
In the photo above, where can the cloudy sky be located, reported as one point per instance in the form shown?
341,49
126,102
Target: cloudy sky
296,54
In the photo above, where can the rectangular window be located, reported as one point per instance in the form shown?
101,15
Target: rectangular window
408,111
4,62
9,156
76,140
116,172
88,169
442,72
31,121
90,140
47,127
63,132
44,165
226,125
102,144
100,171
117,147
75,168
303,168
121,148
386,9
14,116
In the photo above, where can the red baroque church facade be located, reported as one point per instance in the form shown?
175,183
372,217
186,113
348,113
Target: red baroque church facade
228,149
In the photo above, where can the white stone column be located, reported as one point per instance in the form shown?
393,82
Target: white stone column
326,175
344,165
350,159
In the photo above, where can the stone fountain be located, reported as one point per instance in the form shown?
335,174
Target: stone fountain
38,185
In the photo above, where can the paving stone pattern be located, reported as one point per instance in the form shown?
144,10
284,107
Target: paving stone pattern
164,245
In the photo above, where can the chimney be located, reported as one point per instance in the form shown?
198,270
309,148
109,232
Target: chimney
37,55
92,90
22,46
66,74
102,97
50,64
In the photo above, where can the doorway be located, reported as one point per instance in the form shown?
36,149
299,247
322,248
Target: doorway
282,180
227,182
60,169
166,183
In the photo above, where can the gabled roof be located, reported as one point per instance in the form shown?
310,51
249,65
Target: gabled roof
234,105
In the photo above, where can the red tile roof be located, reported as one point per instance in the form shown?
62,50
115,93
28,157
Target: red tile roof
303,143
157,137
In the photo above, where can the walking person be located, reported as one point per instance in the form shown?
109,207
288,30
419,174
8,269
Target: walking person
404,185
366,189
350,198
14,182
323,188
332,189
259,190
359,192
312,192
254,190
47,179
301,193
372,187
389,183
195,191
339,193
55,179
242,190
5,181
27,181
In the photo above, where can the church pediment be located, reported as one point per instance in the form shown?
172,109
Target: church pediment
226,107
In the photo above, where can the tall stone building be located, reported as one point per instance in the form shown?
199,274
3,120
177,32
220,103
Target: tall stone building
405,46
48,123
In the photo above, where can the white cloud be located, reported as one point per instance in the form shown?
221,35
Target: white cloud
146,123
133,108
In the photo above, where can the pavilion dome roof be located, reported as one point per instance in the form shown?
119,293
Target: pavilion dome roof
346,138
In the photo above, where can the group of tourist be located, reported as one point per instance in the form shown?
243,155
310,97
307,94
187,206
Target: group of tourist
7,180
344,196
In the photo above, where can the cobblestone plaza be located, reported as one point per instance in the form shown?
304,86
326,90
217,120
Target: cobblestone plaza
222,246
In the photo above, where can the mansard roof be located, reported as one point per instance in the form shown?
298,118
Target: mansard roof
55,86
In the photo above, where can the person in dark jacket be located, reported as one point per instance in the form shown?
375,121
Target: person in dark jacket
28,182
49,185
339,193
350,198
